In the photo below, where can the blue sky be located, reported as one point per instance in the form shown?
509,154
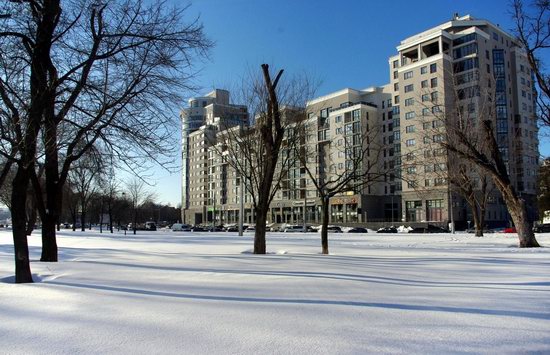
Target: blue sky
341,43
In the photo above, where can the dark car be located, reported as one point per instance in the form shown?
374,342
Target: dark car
387,230
334,229
358,230
198,229
429,229
232,228
542,228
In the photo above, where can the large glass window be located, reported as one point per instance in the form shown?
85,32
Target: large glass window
413,211
434,210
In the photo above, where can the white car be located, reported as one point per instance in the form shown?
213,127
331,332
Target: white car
294,229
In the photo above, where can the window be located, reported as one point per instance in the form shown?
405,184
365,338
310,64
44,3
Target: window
466,38
409,88
409,115
434,96
423,70
338,119
395,64
410,142
434,209
438,138
433,82
413,210
396,99
408,75
433,68
424,84
411,170
410,129
410,101
465,50
396,87
395,74
466,64
436,109
425,97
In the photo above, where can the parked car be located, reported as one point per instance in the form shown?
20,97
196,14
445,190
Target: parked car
391,229
232,228
250,229
294,229
198,229
333,229
358,230
542,228
180,227
510,230
429,229
150,226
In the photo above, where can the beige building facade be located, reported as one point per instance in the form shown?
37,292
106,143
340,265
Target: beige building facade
435,72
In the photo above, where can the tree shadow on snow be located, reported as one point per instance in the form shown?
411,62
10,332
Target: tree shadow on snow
407,307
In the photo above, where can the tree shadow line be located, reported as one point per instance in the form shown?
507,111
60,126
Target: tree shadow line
396,306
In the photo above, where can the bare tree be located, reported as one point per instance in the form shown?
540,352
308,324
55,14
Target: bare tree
84,176
348,163
474,185
469,122
138,194
258,153
532,28
93,73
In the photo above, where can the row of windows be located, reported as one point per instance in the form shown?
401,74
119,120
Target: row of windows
423,70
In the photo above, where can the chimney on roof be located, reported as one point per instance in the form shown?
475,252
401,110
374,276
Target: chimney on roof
455,16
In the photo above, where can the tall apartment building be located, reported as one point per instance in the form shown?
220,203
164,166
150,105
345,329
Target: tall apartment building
433,73
445,68
200,121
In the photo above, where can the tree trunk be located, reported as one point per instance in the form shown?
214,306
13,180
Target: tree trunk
478,226
134,221
518,212
482,219
31,221
324,226
49,243
524,227
259,233
19,225
110,218
83,219
74,219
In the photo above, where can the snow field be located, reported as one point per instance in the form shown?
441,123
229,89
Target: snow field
197,293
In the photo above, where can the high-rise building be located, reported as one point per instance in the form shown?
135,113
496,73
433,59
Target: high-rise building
446,69
451,67
200,120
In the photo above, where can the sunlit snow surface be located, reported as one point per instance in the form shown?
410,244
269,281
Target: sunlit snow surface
205,293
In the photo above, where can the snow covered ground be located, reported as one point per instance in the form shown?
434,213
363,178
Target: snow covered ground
184,293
